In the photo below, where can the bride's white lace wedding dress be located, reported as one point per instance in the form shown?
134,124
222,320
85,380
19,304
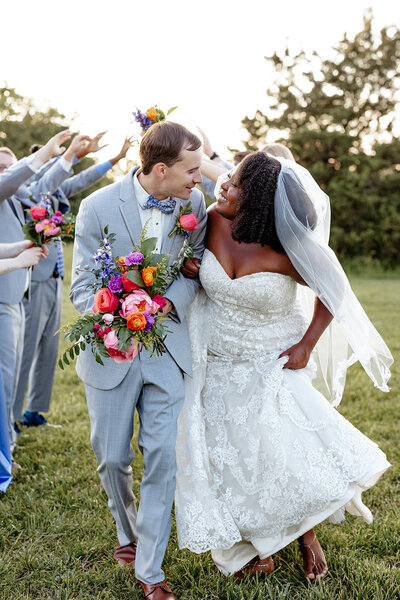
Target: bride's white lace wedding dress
262,455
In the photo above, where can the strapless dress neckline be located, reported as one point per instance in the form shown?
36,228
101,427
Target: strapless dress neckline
243,276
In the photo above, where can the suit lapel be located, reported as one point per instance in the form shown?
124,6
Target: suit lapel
17,210
169,243
129,208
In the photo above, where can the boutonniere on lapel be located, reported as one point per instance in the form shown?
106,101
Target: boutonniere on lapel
186,221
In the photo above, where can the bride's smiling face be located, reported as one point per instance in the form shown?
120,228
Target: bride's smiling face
228,197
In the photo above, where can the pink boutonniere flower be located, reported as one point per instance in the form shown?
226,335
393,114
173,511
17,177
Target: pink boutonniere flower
186,221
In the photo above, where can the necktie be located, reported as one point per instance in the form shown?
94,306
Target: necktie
166,206
60,259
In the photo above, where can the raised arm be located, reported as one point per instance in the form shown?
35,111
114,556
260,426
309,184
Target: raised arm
12,178
60,170
85,178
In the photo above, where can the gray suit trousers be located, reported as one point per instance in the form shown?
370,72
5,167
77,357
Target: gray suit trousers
39,359
155,387
11,343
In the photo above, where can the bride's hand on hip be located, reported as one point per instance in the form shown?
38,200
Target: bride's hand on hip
299,355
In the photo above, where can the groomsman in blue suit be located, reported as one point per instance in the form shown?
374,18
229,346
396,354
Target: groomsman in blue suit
170,158
14,285
43,310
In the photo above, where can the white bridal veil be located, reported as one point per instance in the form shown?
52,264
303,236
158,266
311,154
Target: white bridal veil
302,218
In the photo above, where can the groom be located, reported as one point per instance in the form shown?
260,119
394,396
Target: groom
170,158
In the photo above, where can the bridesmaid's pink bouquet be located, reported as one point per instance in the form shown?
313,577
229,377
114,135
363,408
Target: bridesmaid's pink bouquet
46,225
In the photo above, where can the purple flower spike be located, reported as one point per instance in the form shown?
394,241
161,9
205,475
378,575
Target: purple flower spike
133,258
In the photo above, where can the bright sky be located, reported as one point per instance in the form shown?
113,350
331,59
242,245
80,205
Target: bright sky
99,60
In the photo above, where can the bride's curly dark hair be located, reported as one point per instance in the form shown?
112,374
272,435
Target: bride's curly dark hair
254,223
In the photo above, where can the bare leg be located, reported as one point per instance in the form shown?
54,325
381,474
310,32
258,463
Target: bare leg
314,561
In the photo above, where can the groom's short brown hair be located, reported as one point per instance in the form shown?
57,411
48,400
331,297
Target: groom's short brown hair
164,142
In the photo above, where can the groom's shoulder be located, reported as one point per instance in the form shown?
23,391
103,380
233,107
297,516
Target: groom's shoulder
197,198
103,196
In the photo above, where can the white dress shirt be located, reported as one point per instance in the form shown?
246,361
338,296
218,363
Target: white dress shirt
157,223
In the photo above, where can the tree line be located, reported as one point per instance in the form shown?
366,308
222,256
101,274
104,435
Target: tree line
336,114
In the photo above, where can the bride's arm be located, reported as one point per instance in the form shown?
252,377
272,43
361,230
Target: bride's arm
299,354
211,170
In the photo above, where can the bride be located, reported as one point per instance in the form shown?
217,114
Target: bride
263,456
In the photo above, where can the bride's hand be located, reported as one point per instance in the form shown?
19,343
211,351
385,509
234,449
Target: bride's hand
299,355
190,268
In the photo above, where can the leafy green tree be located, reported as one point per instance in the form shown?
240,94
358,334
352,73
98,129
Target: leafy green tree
337,117
23,124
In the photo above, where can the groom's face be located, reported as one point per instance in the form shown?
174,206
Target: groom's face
180,179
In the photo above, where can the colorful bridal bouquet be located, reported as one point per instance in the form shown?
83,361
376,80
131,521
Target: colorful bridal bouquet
151,116
47,225
128,295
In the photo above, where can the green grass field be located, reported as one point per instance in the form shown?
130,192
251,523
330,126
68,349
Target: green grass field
57,536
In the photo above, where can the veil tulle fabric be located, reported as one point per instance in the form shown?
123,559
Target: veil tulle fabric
302,219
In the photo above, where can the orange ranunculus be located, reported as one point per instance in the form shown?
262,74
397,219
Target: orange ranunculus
189,222
148,275
151,113
128,285
136,321
105,301
121,263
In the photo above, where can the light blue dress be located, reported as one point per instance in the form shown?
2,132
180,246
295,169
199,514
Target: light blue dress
5,454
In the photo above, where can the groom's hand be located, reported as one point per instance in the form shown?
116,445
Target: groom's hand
167,308
190,268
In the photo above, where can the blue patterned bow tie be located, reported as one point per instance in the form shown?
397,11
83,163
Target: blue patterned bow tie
166,206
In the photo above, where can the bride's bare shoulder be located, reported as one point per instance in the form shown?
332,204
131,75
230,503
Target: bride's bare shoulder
215,218
211,210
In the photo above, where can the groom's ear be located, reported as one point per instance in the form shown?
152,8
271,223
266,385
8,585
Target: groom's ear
160,169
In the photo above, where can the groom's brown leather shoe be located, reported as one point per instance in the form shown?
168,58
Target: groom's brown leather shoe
125,555
157,591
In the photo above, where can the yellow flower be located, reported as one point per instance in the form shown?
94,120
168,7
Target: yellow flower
152,113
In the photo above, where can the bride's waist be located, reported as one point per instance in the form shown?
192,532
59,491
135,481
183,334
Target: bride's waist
242,321
226,339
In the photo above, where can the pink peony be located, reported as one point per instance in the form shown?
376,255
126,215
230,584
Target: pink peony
111,344
139,300
189,222
111,341
42,224
51,231
48,227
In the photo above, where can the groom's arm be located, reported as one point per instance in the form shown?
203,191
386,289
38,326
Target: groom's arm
182,291
88,234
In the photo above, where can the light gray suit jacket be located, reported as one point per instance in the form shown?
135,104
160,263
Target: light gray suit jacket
117,207
68,187
12,285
